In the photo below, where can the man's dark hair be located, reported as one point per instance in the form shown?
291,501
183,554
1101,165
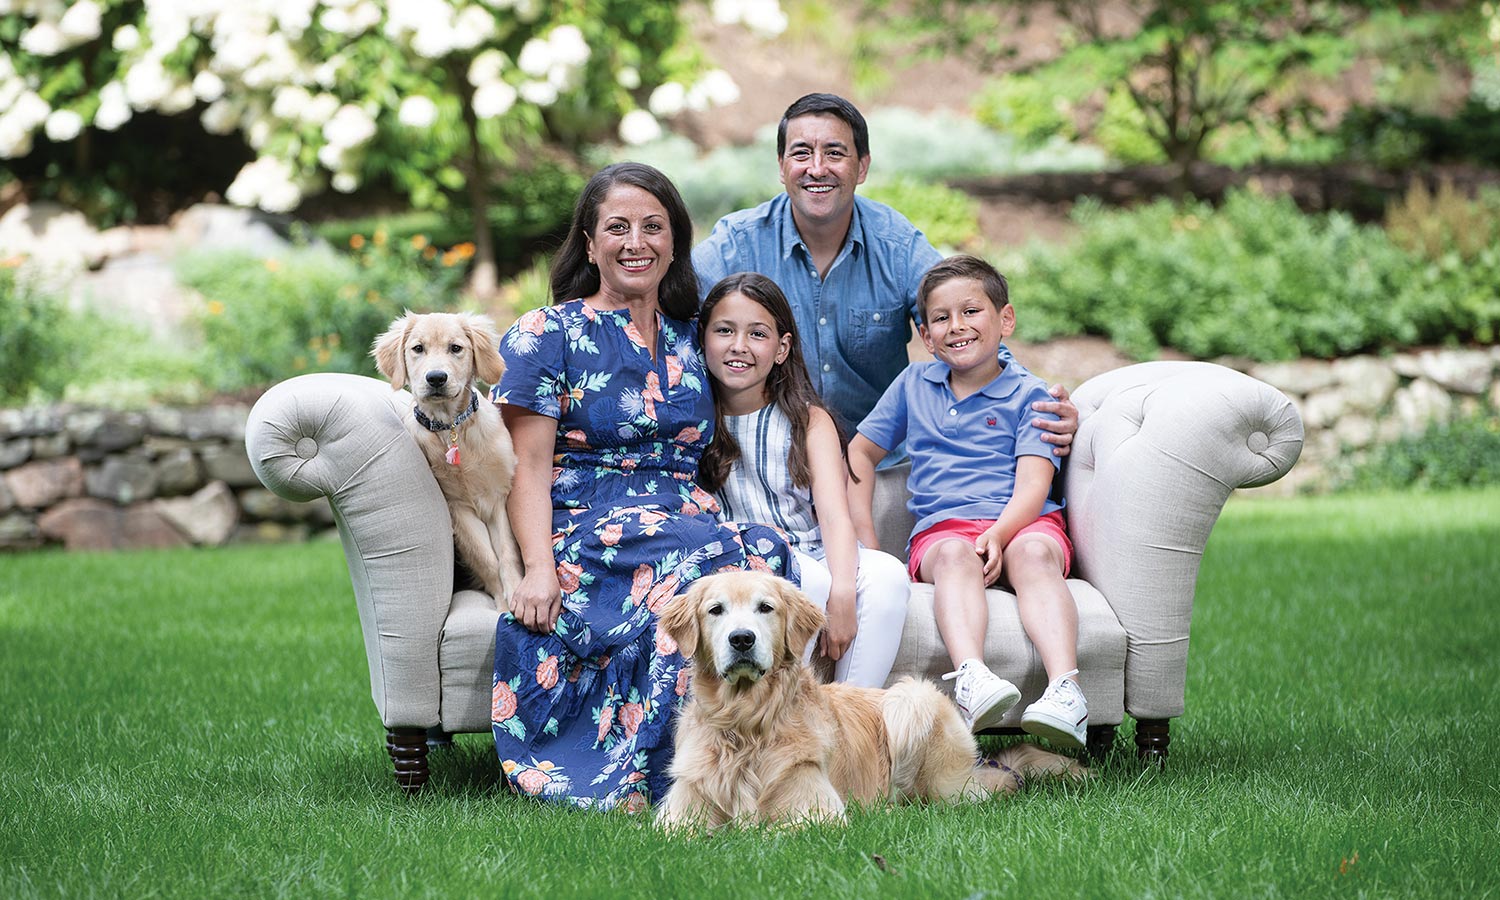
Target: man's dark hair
826,105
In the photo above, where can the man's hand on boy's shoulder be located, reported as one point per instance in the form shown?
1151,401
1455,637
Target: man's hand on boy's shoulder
1059,431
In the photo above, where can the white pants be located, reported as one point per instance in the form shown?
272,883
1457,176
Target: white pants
881,589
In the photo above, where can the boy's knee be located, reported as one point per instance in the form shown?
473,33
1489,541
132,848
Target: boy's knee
954,553
1033,554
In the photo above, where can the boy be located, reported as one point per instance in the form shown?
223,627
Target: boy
980,479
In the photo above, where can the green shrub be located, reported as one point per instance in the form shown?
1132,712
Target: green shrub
1464,453
1255,278
948,217
38,349
312,309
1455,243
1027,108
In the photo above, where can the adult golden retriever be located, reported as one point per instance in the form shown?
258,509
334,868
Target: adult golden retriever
762,741
467,446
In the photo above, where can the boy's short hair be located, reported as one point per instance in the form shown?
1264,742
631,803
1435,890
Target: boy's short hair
826,105
964,266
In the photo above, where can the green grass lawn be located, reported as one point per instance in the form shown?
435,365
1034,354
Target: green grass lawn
198,724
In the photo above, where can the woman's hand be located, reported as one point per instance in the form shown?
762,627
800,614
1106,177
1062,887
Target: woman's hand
838,634
1059,431
991,549
537,602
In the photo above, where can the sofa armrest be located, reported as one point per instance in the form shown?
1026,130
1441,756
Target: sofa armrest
341,437
1160,447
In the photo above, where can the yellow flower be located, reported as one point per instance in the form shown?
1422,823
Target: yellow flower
418,241
348,291
12,262
429,252
450,258
324,356
215,308
299,363
372,295
356,241
273,265
332,340
380,237
464,250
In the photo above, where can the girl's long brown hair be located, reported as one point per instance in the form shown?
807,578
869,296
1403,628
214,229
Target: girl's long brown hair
788,386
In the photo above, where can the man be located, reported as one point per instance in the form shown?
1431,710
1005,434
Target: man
849,266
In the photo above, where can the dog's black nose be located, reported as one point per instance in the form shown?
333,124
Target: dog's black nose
437,379
742,639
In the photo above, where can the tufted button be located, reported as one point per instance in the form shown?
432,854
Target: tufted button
307,448
1258,442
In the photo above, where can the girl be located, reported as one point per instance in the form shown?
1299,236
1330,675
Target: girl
776,458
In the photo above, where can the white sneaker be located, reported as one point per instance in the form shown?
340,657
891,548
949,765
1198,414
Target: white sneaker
1061,715
982,696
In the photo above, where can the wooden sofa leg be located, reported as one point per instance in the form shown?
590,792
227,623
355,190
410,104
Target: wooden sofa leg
408,750
1101,742
1151,739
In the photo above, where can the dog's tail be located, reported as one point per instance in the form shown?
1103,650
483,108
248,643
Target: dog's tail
927,738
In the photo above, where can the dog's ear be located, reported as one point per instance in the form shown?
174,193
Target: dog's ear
487,363
801,621
389,351
680,619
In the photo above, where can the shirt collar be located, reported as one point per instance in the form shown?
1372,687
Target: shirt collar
1004,384
791,239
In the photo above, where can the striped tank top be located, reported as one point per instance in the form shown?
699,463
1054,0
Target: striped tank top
759,487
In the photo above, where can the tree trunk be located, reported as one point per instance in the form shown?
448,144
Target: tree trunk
484,277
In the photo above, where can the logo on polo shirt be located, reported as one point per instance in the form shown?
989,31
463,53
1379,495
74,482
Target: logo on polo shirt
990,421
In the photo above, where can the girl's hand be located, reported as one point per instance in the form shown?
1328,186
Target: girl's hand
990,550
839,633
537,602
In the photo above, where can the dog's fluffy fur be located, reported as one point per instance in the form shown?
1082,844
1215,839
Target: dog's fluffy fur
762,741
440,355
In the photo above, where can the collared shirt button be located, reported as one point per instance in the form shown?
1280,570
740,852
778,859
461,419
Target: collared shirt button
952,412
823,321
875,317
827,367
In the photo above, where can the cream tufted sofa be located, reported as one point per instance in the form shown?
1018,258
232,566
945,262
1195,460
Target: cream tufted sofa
1160,447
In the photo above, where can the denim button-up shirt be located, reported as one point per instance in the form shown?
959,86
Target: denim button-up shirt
855,322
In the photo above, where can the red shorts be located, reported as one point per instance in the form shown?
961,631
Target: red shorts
968,531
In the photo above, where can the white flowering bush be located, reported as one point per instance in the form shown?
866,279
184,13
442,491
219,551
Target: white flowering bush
433,96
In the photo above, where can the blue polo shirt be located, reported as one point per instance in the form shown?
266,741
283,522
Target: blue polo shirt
963,452
856,322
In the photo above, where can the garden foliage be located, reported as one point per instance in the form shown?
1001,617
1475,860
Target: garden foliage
432,95
1464,453
1255,278
312,309
34,344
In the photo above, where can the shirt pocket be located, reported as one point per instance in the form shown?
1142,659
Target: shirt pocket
877,334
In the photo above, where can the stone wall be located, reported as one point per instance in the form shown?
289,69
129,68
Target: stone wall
1351,405
90,479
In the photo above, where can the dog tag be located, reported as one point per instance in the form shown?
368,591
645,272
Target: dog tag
452,455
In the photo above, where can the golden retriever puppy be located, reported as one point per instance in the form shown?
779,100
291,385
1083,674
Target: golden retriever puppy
762,741
467,446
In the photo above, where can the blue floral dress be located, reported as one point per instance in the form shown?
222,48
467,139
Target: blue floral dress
584,715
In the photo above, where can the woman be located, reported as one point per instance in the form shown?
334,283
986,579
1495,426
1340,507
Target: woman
609,408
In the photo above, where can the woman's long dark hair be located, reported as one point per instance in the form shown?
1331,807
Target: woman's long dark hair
573,276
788,386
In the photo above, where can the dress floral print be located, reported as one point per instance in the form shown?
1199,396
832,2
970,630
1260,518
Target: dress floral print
583,715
